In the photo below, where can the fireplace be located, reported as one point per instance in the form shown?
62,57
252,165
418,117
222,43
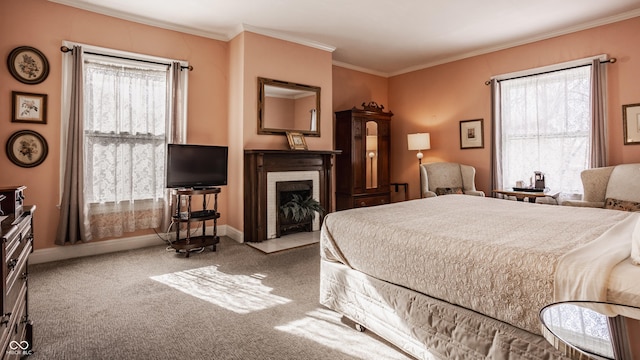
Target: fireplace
285,192
272,204
264,168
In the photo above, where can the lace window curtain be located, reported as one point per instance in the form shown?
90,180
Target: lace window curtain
128,112
543,123
125,132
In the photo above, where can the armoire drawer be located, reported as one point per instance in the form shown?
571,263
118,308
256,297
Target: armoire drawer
363,201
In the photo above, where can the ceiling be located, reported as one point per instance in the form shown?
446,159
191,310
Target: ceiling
383,37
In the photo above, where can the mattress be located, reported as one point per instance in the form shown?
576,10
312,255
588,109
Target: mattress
495,257
424,327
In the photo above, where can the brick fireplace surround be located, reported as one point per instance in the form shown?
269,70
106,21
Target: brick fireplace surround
258,164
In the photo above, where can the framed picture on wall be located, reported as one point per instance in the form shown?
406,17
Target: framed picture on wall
631,124
27,148
471,134
29,108
28,65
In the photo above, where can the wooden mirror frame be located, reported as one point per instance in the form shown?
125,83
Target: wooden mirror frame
262,127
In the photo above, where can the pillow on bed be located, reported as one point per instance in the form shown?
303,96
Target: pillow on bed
623,205
448,190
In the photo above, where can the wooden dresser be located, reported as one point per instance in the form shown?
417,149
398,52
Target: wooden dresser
17,245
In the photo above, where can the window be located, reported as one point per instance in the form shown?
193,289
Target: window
128,118
124,131
546,121
552,120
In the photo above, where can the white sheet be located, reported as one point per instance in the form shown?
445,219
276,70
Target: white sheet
583,273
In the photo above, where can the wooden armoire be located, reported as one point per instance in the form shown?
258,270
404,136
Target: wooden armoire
363,169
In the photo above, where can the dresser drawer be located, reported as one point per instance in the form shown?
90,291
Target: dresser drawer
363,201
14,327
18,238
16,280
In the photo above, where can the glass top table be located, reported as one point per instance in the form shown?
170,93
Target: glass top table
597,329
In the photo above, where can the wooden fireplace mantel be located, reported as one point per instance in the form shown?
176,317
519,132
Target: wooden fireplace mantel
257,163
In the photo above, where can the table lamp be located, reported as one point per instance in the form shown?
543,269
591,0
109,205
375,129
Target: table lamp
419,141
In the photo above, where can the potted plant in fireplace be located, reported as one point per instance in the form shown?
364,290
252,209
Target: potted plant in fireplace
299,212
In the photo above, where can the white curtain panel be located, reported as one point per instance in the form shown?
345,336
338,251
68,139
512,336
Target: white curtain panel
125,145
545,125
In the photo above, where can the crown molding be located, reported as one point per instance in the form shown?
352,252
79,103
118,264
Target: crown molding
285,37
141,19
306,42
193,31
565,31
359,68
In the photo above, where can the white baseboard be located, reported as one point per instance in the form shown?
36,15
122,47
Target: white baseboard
234,233
108,246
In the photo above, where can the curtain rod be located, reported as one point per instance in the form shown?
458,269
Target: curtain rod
612,60
65,49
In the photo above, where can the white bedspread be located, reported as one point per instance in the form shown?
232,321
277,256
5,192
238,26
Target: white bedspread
493,256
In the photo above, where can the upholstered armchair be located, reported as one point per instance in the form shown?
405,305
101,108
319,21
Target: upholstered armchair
612,187
441,178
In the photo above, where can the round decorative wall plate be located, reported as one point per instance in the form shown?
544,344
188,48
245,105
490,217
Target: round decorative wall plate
27,148
28,65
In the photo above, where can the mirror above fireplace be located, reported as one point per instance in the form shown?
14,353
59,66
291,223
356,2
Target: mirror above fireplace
285,106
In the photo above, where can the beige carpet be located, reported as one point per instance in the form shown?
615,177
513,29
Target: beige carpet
236,303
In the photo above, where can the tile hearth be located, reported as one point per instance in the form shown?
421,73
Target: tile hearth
287,242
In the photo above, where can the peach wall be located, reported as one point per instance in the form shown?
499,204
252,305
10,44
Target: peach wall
236,131
435,99
252,56
282,60
47,26
352,88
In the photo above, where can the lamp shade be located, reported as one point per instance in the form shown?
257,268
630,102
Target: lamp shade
420,141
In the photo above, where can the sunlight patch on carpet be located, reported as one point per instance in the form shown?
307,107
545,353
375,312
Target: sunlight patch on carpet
324,326
241,294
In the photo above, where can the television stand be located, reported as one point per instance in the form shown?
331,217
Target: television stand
184,216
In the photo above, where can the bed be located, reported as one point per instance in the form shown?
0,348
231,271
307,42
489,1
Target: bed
464,277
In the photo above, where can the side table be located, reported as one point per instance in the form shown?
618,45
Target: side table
531,196
405,186
184,214
582,326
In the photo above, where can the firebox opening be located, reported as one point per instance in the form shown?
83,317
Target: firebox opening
284,193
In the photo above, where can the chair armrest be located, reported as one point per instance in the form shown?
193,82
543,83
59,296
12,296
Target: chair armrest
474,192
582,203
428,194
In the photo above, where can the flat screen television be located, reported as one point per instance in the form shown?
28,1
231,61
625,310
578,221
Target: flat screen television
196,166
